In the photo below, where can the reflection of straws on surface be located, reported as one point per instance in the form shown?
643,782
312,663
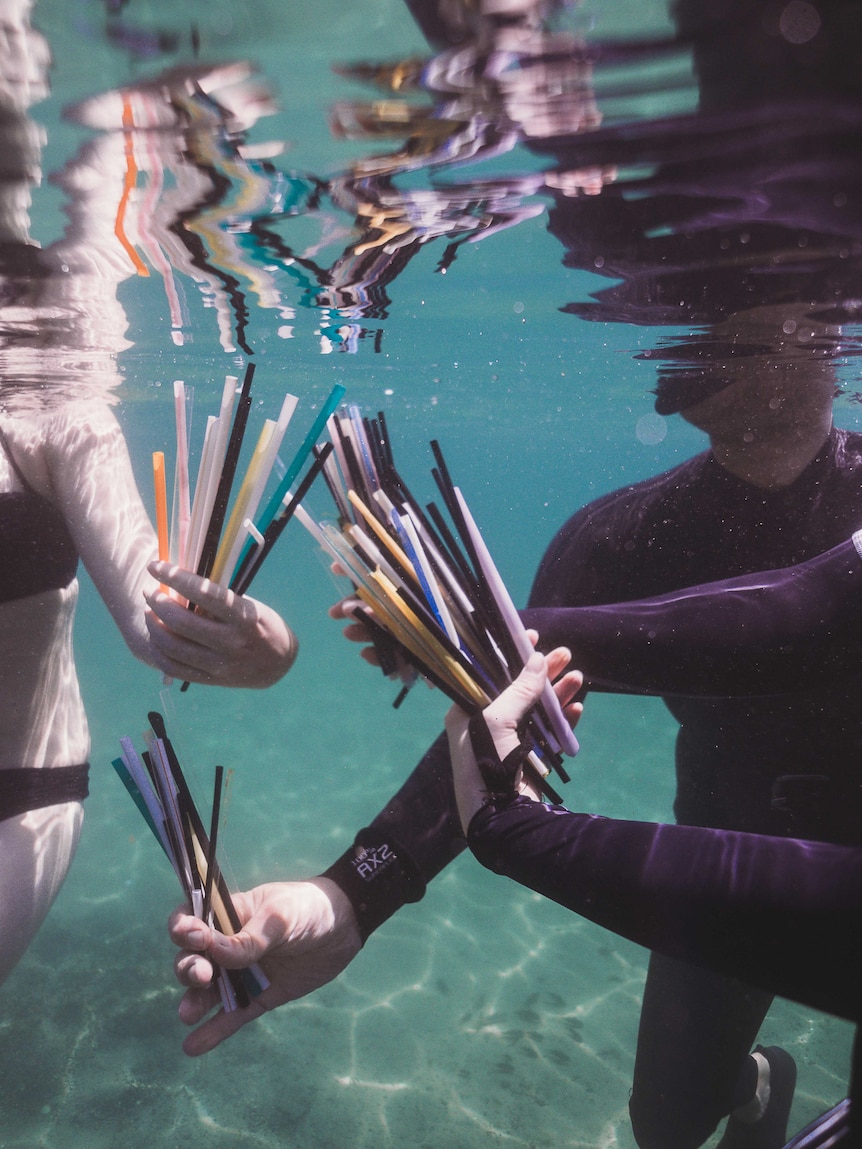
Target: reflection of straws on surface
430,588
130,179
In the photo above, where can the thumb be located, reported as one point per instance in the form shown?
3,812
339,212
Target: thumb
511,706
236,951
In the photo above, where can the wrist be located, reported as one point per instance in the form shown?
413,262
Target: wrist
376,876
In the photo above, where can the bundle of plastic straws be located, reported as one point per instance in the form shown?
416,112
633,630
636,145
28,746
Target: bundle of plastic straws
219,539
428,585
158,786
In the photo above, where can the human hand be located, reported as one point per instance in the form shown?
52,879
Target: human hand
502,717
302,933
230,640
355,631
384,653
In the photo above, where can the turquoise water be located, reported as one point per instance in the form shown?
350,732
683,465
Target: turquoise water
483,1015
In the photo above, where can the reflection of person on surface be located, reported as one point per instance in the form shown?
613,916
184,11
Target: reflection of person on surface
67,492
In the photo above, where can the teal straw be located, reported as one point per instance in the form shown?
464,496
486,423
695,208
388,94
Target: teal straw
272,507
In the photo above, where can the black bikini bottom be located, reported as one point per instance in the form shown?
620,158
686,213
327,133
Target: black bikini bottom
26,789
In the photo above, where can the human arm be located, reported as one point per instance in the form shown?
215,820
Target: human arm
312,930
757,634
230,641
778,913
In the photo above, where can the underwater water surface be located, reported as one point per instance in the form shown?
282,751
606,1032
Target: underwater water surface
482,1015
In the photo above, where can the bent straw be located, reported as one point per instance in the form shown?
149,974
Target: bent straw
239,511
266,542
248,499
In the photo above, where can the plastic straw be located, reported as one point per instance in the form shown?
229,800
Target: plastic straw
181,482
161,493
230,459
208,483
251,492
563,732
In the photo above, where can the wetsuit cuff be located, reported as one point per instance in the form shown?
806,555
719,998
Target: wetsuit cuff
378,877
500,776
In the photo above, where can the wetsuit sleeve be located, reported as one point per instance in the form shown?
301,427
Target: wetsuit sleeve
778,913
416,834
767,633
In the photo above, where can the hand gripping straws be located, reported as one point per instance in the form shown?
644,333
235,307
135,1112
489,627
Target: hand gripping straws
158,786
429,586
219,540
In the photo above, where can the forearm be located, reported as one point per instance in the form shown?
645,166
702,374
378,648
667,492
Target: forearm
759,634
95,488
414,837
778,913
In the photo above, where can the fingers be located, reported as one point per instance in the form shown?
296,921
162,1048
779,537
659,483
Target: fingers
230,640
201,946
506,711
345,610
178,657
219,1028
194,970
510,706
217,601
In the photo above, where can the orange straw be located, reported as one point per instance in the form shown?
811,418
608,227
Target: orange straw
161,489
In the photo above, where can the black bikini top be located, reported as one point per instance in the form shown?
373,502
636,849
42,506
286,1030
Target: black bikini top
36,550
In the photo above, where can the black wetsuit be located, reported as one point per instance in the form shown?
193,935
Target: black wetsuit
769,765
780,764
780,913
37,555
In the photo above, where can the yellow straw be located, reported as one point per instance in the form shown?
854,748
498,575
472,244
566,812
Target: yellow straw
239,513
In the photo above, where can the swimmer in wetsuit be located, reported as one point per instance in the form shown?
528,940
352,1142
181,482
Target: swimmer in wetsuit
778,913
